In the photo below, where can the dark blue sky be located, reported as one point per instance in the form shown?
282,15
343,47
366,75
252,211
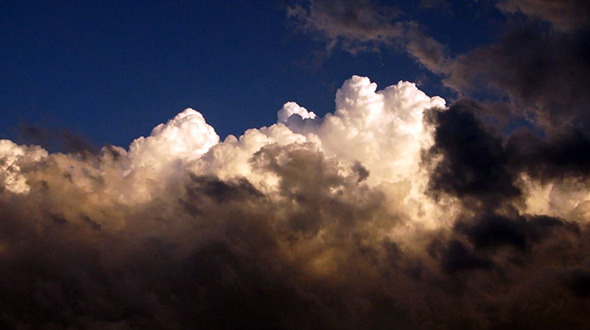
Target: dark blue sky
112,70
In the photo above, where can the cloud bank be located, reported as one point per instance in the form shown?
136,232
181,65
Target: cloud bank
394,211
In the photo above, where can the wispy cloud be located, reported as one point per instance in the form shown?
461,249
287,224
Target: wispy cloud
365,26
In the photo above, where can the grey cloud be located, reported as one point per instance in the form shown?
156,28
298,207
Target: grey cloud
544,74
352,23
425,49
63,140
565,15
366,25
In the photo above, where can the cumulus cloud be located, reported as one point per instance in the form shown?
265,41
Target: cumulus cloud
368,217
185,137
492,195
291,108
13,158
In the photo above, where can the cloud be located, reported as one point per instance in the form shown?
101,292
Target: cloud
540,72
63,140
564,15
474,163
291,108
327,223
185,137
435,4
367,25
532,73
425,49
13,158
493,195
471,161
355,24
504,225
543,74
559,157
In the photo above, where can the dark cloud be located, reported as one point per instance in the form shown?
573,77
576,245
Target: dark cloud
565,15
354,24
493,240
367,25
220,191
474,163
361,171
319,252
62,140
483,169
207,253
493,231
578,281
459,257
543,73
564,155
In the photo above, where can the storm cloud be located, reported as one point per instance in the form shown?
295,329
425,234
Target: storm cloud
394,211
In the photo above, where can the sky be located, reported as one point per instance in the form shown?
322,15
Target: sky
110,70
313,164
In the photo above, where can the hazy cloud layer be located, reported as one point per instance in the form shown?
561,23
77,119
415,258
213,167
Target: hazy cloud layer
392,212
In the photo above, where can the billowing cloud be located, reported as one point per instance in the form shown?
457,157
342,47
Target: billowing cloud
368,217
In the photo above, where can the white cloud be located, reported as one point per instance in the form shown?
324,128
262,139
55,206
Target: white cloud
12,158
291,108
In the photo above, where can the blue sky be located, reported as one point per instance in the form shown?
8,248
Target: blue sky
111,70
